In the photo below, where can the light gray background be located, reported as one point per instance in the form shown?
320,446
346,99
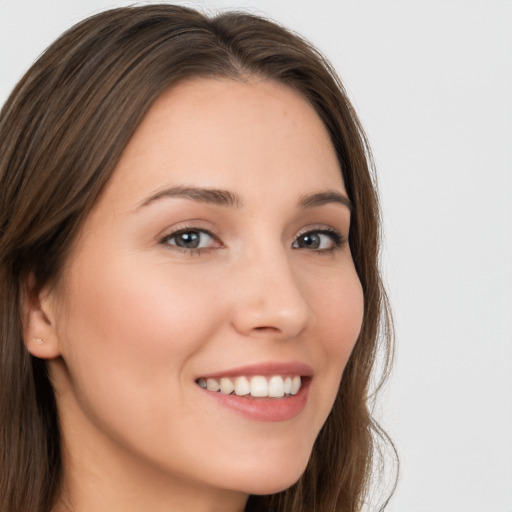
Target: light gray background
432,82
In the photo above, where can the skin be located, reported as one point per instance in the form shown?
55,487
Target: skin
135,319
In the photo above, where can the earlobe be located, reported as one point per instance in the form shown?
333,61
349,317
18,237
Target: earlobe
39,331
41,348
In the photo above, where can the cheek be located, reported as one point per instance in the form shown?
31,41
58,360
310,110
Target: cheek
339,307
131,337
344,314
127,345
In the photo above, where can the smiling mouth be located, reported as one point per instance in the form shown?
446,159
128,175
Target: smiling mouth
258,386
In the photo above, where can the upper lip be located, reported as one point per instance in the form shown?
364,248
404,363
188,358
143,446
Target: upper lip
264,369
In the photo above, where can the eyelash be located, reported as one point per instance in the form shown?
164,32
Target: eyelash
336,237
194,251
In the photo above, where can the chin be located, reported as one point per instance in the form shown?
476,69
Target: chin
268,487
270,477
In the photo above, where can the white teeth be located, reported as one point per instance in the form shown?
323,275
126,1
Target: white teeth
276,386
296,384
212,385
226,386
242,386
258,386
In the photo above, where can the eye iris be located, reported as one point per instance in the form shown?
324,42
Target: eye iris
310,241
188,239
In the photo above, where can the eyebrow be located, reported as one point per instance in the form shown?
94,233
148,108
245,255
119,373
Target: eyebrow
320,198
202,195
229,199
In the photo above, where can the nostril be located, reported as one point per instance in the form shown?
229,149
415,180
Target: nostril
265,329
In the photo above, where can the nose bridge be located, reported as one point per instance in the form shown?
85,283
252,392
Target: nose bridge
269,297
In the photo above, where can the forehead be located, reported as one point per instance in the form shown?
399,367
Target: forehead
220,132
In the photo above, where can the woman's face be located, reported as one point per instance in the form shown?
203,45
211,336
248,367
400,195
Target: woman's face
217,255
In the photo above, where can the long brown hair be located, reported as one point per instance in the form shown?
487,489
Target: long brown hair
62,132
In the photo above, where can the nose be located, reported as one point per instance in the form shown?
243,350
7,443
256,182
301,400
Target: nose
269,299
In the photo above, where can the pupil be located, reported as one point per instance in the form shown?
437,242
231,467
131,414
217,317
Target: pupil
311,241
190,240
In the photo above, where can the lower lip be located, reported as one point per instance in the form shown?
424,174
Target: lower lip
264,409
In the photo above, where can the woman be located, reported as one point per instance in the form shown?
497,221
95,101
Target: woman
190,293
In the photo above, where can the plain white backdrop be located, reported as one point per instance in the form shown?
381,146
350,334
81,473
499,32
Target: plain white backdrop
432,83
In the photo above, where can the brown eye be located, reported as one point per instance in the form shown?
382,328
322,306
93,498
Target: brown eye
309,241
188,239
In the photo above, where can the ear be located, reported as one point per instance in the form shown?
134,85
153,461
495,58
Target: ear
39,331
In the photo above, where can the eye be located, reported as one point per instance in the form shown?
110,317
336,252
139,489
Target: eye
191,239
319,240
